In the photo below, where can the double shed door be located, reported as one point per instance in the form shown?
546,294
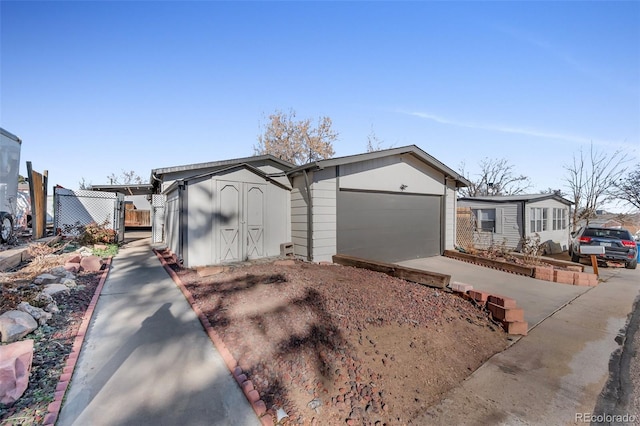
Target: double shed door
240,230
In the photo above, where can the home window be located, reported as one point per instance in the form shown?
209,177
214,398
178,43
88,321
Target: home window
486,219
559,219
538,219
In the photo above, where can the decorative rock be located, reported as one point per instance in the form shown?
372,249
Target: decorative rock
76,258
72,267
14,325
91,264
43,299
38,314
69,283
52,308
52,289
45,279
15,367
59,271
100,247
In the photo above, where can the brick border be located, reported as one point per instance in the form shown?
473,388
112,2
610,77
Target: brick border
246,385
53,410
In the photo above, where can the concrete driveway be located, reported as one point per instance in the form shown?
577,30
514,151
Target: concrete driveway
538,298
555,374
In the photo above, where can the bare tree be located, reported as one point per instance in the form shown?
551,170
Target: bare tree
296,141
627,189
496,177
553,191
374,143
125,178
590,179
83,184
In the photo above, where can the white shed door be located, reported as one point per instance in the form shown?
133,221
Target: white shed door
229,221
241,220
255,220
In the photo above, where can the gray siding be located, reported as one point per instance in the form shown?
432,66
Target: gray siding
450,217
323,191
299,225
172,223
229,217
508,223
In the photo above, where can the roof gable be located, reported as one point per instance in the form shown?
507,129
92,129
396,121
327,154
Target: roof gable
410,149
225,170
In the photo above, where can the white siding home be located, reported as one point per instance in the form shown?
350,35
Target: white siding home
509,219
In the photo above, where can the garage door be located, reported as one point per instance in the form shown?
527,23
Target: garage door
388,227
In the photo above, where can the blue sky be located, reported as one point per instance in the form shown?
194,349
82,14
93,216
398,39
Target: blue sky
97,87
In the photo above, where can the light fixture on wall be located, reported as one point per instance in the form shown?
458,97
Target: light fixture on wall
403,187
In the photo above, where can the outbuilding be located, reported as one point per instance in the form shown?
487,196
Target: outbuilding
388,205
226,211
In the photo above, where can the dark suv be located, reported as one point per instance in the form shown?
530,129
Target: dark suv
619,245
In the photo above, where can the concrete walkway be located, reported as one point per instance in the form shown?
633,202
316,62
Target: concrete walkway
146,359
556,373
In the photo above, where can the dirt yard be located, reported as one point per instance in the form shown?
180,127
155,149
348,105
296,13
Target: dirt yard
334,345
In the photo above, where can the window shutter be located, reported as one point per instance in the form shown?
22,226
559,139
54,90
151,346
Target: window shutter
499,221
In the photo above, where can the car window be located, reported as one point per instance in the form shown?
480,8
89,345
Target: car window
619,234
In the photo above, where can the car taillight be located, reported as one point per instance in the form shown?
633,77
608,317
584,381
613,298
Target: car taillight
628,243
585,239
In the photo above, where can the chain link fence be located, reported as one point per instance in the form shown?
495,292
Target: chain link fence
157,218
74,209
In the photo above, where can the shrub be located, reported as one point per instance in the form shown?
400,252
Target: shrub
95,233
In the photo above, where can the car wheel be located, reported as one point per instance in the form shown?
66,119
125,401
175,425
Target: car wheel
574,257
6,227
631,265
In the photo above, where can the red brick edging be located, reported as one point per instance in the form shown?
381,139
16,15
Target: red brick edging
246,385
53,410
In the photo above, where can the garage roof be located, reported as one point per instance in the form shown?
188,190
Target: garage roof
409,149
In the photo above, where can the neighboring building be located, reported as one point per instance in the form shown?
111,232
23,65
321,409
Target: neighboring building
389,205
509,219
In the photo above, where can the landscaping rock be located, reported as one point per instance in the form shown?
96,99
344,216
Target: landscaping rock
52,289
15,367
72,267
38,314
14,325
61,272
69,283
43,299
45,279
91,264
76,258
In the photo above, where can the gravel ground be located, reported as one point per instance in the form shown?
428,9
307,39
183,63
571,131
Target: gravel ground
334,345
53,342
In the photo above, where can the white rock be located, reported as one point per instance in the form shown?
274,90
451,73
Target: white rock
69,283
59,271
52,289
38,314
52,308
45,279
14,325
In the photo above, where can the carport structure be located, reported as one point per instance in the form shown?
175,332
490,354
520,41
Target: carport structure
388,205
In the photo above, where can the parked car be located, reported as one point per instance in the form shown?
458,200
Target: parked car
619,245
